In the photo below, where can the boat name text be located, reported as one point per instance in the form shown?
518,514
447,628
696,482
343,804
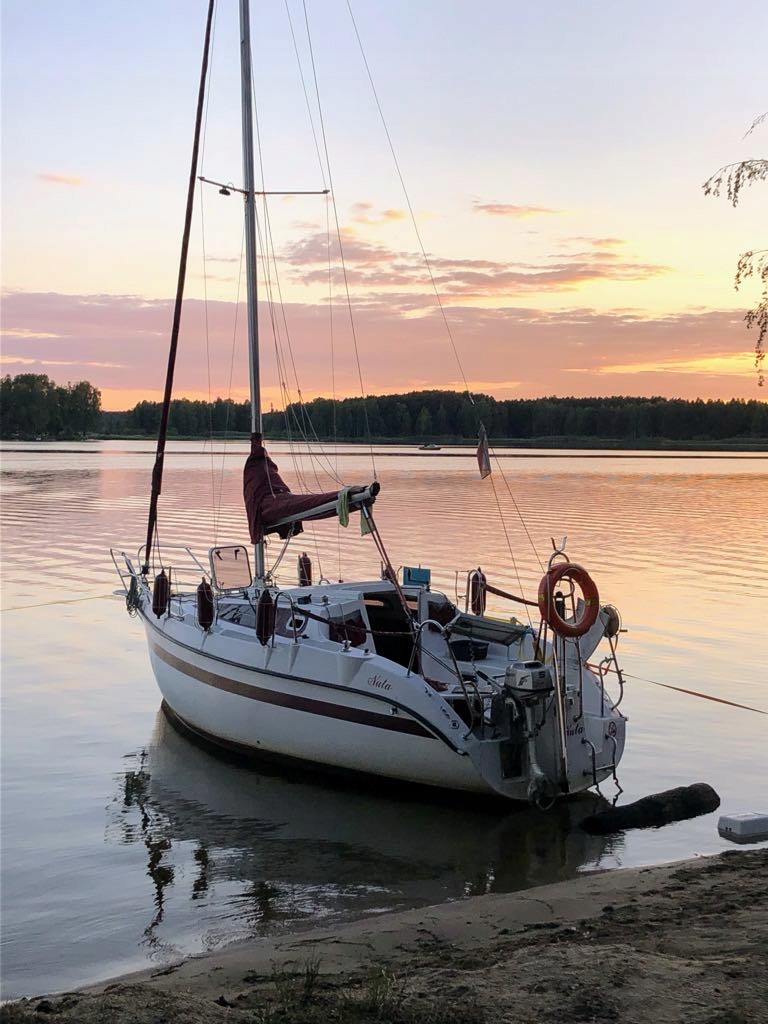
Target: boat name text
379,683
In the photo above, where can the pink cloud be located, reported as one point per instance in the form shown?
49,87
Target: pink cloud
371,266
363,213
313,250
120,344
512,210
604,243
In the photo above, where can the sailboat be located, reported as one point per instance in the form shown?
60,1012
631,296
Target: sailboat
384,676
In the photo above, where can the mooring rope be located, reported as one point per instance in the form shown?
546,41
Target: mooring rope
60,600
310,615
697,693
683,689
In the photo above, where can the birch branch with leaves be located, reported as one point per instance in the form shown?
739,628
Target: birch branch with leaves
730,180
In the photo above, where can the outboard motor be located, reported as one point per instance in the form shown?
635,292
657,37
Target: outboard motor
205,608
161,594
530,683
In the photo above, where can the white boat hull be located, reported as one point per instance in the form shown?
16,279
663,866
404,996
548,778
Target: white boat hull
320,722
347,708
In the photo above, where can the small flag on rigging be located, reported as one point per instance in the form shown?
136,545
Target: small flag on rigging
483,456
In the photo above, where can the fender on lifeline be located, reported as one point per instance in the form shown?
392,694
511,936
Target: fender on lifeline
478,583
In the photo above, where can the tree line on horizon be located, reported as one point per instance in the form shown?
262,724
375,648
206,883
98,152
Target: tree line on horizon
33,406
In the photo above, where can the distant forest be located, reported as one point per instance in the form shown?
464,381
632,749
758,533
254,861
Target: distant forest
33,406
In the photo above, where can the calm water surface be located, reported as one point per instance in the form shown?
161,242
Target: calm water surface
123,843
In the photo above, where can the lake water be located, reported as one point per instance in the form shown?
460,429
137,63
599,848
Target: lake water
124,844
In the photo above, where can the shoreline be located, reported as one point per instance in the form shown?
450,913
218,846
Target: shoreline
602,446
681,941
446,450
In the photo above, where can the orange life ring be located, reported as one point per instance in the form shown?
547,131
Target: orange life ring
548,608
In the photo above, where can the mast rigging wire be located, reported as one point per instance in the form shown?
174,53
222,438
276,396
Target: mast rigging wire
353,327
435,289
215,505
271,274
427,264
157,471
331,337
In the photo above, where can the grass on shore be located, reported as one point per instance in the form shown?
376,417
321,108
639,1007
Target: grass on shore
303,996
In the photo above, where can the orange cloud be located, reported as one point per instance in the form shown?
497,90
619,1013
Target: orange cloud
511,210
220,278
25,332
720,363
362,213
61,179
120,344
379,268
15,360
598,243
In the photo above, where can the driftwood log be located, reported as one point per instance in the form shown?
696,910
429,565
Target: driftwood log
654,810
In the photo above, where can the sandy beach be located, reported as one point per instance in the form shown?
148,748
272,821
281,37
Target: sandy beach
677,942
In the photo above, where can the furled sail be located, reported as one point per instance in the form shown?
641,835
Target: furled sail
270,506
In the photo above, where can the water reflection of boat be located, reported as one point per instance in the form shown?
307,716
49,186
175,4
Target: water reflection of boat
261,852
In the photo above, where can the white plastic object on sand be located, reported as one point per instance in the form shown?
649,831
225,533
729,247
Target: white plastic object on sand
744,828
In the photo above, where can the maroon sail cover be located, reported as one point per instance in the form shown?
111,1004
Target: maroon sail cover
268,498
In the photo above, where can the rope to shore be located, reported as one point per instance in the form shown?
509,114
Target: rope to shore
697,693
683,689
62,600
627,675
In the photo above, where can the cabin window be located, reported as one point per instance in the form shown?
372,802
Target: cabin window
391,627
230,567
238,612
441,611
289,622
349,628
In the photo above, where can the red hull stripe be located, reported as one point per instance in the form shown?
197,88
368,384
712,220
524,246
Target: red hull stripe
394,723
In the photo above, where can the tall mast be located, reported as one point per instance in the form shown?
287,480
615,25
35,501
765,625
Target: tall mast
250,213
250,237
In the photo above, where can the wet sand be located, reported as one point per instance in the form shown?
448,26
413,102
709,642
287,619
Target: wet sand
678,942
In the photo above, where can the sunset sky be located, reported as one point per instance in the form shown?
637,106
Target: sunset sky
553,156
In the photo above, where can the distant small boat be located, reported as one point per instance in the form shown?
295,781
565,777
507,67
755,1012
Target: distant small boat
429,447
